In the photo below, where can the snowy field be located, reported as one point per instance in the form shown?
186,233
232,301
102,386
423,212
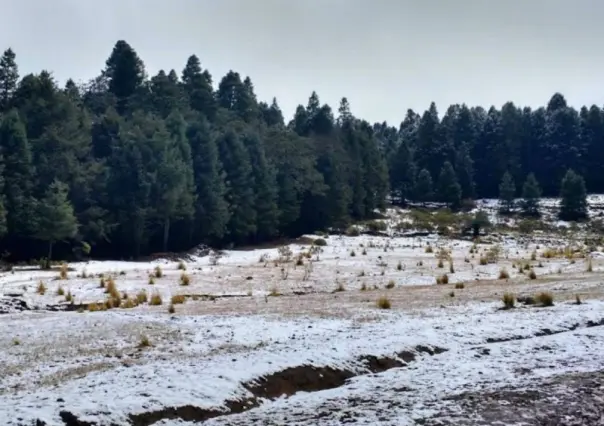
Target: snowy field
294,334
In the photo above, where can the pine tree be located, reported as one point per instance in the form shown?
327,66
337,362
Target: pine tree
3,227
402,173
9,76
240,194
56,217
423,186
464,167
449,190
531,192
211,208
125,73
265,189
18,172
198,87
573,204
507,193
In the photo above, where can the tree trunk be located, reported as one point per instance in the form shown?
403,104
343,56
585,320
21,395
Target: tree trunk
166,233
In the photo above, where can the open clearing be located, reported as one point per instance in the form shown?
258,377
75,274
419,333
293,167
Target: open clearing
295,337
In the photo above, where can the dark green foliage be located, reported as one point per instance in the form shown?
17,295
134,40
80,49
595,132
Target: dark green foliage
449,190
423,186
531,192
573,204
56,218
507,193
168,163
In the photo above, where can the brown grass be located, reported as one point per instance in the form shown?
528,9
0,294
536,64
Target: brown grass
177,299
157,272
532,275
443,279
60,291
63,271
142,297
182,266
155,300
545,298
460,286
185,279
144,342
384,303
504,274
41,290
391,284
509,300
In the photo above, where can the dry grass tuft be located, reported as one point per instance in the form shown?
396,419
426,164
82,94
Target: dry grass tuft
443,279
155,300
509,300
151,280
157,272
339,288
429,249
185,279
545,298
69,297
182,266
63,271
171,309
384,303
460,286
504,274
532,275
41,290
95,307
142,297
177,299
578,300
391,284
483,261
590,267
111,288
144,342
60,291
364,287
129,303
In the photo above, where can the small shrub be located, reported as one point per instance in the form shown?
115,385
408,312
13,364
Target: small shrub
41,290
129,304
549,253
384,303
182,266
352,253
155,300
141,297
339,288
460,286
320,242
94,307
483,260
102,282
527,266
60,291
452,294
63,271
364,287
16,342
534,255
185,279
443,279
353,231
545,299
69,297
177,299
390,284
509,300
504,274
532,275
429,249
399,266
84,274
111,288
578,300
151,280
362,274
364,252
440,263
171,309
157,272
144,342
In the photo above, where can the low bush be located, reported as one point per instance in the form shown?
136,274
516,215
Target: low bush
384,303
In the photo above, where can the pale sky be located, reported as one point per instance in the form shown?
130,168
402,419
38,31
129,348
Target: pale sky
384,55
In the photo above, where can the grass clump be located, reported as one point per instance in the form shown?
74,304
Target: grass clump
451,268
483,261
185,280
590,266
63,272
532,275
509,300
111,288
390,284
177,299
142,297
144,342
364,287
339,288
182,266
578,300
504,274
102,282
384,303
69,297
429,249
320,242
60,291
441,264
41,290
352,253
545,298
151,280
443,279
171,309
155,300
129,303
157,272
95,307
460,286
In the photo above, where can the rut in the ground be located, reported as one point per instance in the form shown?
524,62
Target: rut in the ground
303,378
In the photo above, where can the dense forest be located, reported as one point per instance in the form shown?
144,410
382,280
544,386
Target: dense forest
126,164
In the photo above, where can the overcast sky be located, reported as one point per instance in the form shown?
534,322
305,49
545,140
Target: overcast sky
384,55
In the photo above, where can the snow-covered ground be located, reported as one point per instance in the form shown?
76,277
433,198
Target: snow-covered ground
256,314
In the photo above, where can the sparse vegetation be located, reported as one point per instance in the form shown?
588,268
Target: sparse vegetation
142,297
177,299
590,267
157,272
320,242
429,249
443,279
182,266
364,287
63,271
504,274
41,290
60,291
578,300
171,309
391,284
460,286
185,279
144,342
384,303
509,300
532,275
155,300
545,299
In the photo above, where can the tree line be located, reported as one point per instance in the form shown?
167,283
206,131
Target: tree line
129,164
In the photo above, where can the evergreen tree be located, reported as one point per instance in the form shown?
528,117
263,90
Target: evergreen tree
3,227
211,208
402,173
423,186
531,192
465,171
265,189
125,73
18,172
449,190
57,220
9,75
507,193
198,86
240,194
573,204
